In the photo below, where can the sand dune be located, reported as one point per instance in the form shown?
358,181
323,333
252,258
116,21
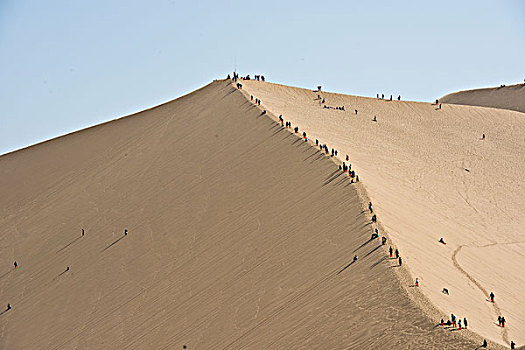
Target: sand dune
430,175
239,235
508,97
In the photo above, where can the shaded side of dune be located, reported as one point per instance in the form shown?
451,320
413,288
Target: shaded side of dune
240,235
510,97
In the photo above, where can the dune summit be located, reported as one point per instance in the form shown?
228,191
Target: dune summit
238,235
506,97
431,175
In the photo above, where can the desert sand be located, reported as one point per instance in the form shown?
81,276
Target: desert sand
507,97
240,235
430,175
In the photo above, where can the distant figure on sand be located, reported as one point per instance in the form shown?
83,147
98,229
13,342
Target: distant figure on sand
347,158
383,240
355,111
67,268
374,218
355,258
391,251
465,323
8,307
484,345
16,264
445,291
491,295
499,321
400,261
512,345
441,240
483,137
370,206
399,98
83,232
397,253
390,97
125,232
375,119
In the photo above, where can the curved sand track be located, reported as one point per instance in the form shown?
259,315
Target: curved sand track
430,175
238,236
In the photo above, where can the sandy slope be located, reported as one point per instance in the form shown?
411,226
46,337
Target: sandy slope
237,234
508,97
430,175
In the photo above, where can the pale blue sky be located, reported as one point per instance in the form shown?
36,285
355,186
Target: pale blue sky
66,64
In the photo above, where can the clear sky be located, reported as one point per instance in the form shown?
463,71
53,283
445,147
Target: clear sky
69,64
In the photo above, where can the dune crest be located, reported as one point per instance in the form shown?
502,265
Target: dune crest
430,175
510,97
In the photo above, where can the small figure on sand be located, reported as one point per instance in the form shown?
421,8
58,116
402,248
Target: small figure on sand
83,232
442,241
483,137
370,207
400,261
8,307
512,345
355,258
374,218
355,111
465,323
399,98
459,324
491,295
375,119
383,240
15,264
445,291
397,253
391,251
67,268
125,232
484,345
347,158
417,282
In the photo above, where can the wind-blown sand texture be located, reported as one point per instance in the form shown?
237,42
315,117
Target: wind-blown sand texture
507,97
239,235
430,175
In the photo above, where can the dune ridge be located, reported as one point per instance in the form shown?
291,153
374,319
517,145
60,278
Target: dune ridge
510,97
240,236
430,175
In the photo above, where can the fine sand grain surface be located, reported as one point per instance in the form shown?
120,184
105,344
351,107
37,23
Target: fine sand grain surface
430,175
507,97
240,236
